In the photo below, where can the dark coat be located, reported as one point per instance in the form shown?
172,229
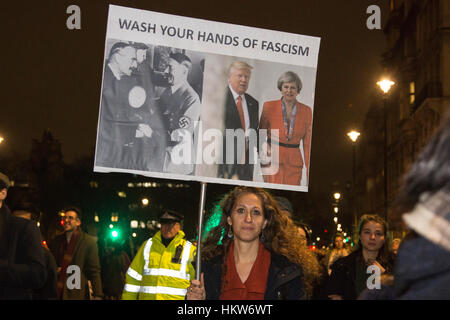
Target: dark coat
22,263
284,281
233,121
342,280
114,268
86,257
343,276
422,271
49,291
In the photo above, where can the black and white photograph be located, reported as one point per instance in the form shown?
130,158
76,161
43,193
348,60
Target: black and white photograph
151,99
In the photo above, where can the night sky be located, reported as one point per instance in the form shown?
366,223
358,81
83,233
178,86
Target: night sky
51,76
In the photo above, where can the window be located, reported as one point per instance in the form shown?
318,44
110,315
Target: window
412,92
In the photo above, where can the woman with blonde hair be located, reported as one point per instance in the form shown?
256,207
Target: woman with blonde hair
254,253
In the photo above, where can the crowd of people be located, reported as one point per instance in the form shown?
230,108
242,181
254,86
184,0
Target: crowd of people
256,251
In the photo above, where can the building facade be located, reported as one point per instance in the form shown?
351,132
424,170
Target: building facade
418,60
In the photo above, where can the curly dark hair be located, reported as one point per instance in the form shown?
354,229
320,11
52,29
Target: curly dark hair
280,236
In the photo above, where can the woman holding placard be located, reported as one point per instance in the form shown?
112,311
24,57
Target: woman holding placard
254,253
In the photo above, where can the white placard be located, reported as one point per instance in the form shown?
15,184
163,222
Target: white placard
167,101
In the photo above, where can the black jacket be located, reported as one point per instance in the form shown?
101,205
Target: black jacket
422,271
342,280
49,291
284,281
343,276
22,262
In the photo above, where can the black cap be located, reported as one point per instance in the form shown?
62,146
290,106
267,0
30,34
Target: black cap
179,57
139,46
29,208
171,216
4,181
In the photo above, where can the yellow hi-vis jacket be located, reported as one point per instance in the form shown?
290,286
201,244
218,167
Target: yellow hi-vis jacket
156,274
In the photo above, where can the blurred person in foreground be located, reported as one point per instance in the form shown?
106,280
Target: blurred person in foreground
422,268
22,262
254,253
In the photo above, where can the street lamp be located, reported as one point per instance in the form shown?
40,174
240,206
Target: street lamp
385,86
2,139
354,135
144,201
337,195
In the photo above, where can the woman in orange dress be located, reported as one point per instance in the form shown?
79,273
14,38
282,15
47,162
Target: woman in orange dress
293,121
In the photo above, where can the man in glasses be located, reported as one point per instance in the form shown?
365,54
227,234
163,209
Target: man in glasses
76,255
162,268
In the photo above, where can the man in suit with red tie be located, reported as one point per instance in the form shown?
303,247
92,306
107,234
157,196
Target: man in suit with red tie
241,112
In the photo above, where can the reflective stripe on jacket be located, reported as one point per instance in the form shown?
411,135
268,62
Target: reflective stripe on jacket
154,275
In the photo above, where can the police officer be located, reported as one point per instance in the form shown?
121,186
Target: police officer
162,268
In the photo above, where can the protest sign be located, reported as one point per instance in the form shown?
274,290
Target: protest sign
192,99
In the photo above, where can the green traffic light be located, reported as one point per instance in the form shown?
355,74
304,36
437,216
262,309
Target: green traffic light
114,234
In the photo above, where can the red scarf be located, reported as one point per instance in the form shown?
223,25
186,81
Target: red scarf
67,249
255,286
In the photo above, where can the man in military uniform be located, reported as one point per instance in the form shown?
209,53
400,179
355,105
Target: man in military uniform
181,110
162,268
